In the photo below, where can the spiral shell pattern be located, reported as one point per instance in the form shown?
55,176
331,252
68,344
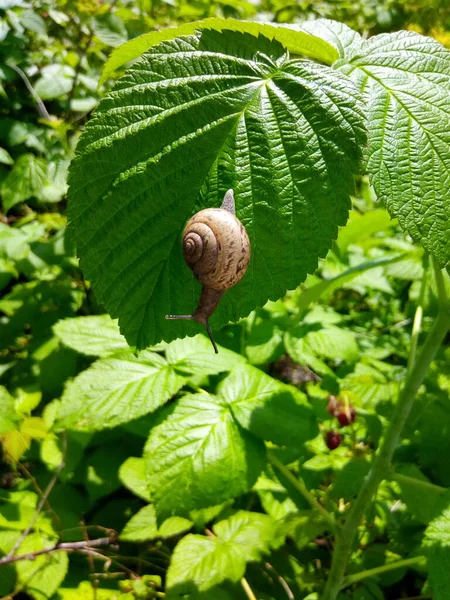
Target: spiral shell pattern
216,247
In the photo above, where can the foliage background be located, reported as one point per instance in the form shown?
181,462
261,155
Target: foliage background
352,342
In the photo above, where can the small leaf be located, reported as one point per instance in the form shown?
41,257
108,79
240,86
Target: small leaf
42,576
118,389
199,456
110,29
56,81
251,532
34,427
267,408
5,157
26,180
199,563
323,341
195,356
15,444
33,21
133,476
142,527
96,335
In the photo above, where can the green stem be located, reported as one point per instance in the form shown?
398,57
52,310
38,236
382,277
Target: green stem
302,489
407,562
417,324
424,486
381,463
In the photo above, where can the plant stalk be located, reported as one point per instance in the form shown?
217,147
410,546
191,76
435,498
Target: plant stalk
381,463
303,490
399,564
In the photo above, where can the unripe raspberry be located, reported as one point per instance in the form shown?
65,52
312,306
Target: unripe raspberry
346,416
332,440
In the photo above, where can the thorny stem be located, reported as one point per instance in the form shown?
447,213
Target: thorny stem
303,490
66,546
381,463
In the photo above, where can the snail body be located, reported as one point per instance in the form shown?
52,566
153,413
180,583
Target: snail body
217,249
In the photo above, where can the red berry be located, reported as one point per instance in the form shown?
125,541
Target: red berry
346,416
332,439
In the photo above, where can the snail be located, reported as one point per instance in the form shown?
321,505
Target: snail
217,249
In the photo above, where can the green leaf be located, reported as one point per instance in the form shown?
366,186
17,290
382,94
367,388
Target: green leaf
16,511
199,563
26,180
118,389
5,157
327,341
267,408
34,22
436,544
42,576
101,477
413,487
405,78
199,456
56,81
292,38
251,532
133,476
350,479
195,356
95,335
195,117
110,29
142,527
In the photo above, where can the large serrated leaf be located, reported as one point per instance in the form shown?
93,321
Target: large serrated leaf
199,563
199,456
292,38
95,335
437,546
118,389
267,408
204,114
405,78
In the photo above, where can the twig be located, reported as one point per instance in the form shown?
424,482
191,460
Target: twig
41,108
66,546
381,464
38,491
39,508
247,589
282,581
301,487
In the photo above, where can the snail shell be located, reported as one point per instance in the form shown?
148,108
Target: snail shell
216,247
